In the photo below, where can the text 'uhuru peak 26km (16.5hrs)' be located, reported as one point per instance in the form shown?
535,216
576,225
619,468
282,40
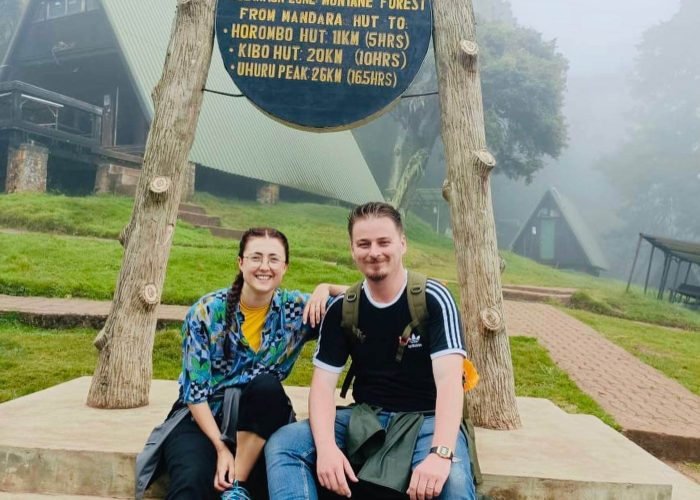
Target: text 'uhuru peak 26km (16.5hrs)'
323,64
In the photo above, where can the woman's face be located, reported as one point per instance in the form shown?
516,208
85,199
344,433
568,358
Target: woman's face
263,264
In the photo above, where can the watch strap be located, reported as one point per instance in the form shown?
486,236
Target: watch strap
443,452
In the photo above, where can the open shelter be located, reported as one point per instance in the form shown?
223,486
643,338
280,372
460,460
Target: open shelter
678,252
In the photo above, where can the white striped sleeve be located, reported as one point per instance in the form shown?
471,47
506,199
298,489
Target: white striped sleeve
330,348
445,329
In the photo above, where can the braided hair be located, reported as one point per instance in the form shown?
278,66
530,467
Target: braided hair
233,296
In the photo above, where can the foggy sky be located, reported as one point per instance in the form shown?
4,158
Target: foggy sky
597,36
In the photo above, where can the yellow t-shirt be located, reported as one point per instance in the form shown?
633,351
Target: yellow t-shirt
253,325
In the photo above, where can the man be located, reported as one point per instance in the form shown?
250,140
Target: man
426,382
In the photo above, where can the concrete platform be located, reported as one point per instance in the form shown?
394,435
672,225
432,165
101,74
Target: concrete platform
51,443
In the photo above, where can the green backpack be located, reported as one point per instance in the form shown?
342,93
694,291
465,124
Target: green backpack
418,307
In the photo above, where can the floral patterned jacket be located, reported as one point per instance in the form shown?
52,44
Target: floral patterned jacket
207,371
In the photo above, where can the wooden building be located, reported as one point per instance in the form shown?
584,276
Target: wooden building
75,93
555,234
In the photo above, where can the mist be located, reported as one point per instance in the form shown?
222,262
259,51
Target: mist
601,41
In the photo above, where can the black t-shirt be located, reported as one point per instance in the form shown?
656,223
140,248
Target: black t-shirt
379,379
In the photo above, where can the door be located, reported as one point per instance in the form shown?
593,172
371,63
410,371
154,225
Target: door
547,234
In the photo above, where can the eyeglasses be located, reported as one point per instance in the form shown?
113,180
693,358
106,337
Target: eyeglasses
257,260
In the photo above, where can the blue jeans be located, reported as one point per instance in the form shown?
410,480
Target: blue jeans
291,459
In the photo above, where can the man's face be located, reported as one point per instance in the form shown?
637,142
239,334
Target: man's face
377,247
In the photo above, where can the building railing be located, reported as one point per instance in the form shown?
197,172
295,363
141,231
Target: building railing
43,112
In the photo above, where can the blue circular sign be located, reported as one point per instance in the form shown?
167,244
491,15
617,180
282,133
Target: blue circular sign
323,64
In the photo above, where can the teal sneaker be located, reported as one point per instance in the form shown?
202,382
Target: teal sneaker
237,492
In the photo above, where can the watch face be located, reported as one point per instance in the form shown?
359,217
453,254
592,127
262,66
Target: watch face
443,452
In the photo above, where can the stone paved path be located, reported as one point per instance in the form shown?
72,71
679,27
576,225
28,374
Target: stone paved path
652,409
657,412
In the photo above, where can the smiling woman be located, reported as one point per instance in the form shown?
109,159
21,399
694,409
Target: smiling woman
238,344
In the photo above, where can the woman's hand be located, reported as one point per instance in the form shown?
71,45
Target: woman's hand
223,480
315,308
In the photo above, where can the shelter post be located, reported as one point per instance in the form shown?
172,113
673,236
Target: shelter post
651,258
634,263
672,291
664,275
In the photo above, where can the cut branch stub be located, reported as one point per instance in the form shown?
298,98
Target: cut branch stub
160,185
101,340
446,190
124,235
169,231
149,294
486,159
492,319
468,47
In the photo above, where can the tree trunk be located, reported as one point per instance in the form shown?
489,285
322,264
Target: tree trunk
400,156
123,374
492,404
410,178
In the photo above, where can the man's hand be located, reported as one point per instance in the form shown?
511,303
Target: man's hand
315,308
332,467
429,478
223,480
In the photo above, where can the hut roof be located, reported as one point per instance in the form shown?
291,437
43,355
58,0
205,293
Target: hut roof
232,135
583,234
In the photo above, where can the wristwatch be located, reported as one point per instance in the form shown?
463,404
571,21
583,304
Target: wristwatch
443,452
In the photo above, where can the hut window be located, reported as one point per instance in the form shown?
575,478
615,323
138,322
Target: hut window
74,6
57,8
52,9
40,11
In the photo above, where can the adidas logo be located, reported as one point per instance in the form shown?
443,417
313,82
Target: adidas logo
414,341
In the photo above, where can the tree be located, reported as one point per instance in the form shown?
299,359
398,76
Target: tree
523,80
657,170
419,127
469,165
123,374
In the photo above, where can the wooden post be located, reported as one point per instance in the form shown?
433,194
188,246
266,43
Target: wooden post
123,374
492,404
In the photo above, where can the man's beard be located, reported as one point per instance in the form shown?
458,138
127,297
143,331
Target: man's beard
377,277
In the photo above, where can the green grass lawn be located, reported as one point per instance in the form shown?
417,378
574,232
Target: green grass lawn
32,359
59,264
675,353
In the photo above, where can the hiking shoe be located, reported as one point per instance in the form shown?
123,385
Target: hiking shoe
237,492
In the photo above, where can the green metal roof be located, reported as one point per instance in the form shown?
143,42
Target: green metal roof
232,135
684,250
588,242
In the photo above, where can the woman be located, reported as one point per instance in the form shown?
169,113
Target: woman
247,338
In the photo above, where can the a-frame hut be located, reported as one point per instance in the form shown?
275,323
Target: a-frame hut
87,69
555,234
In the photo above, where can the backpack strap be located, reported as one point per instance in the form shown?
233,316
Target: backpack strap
349,322
417,306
